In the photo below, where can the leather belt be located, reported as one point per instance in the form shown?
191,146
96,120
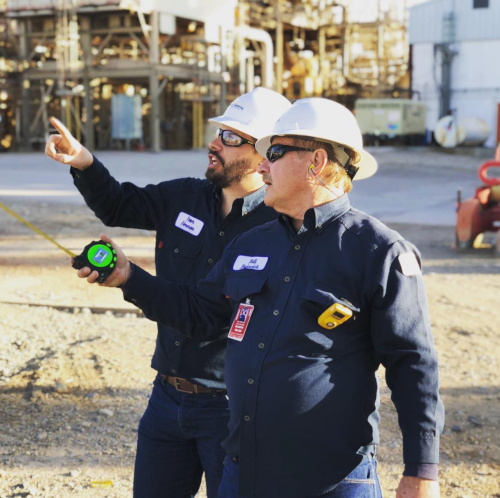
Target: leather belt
184,386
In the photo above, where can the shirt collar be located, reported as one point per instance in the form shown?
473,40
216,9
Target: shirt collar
251,201
331,210
217,193
319,216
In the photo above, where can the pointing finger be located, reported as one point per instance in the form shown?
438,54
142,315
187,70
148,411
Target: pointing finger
60,128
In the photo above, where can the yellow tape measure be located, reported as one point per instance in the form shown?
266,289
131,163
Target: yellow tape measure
98,255
35,229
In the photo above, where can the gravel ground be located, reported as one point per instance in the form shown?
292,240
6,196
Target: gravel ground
75,375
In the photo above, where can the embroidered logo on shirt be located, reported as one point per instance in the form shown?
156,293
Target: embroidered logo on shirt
409,264
189,223
250,263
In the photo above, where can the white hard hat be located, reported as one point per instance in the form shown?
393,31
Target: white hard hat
326,121
254,113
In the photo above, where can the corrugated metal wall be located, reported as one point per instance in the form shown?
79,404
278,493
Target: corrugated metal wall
475,87
428,21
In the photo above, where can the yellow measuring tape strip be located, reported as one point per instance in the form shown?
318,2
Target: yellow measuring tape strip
35,229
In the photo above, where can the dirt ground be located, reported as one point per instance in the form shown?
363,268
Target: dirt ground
75,375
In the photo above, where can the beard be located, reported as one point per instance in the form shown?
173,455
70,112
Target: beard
232,171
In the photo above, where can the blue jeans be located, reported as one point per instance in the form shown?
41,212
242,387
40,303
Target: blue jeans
179,438
362,482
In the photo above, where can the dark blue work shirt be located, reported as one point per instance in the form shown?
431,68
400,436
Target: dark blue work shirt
190,238
304,399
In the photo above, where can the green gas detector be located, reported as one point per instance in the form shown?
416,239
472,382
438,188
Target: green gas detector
98,256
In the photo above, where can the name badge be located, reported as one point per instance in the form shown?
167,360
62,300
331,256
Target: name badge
189,223
250,263
241,321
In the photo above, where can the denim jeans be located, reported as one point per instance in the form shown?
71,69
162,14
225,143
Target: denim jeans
179,438
362,482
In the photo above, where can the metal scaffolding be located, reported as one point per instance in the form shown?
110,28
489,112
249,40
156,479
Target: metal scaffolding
178,67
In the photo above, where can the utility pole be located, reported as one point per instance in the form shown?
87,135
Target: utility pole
154,86
23,133
88,96
67,63
447,54
279,46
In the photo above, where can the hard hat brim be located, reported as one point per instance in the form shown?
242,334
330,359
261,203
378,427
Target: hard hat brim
367,164
235,125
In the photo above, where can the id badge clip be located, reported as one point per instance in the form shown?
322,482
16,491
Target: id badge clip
241,321
335,315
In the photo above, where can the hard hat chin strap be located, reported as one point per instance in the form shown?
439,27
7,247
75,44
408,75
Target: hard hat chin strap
351,169
345,160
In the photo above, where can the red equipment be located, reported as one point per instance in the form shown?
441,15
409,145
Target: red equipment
481,213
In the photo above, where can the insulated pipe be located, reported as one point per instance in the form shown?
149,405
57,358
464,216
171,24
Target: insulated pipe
264,37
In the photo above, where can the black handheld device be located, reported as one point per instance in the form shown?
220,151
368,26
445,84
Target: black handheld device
98,256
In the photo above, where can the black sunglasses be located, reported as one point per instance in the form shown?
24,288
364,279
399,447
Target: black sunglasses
277,151
231,139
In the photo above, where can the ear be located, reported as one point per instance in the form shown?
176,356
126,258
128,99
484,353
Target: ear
319,161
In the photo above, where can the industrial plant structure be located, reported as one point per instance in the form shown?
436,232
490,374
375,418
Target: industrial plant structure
147,74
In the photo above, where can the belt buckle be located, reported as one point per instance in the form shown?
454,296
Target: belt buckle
178,387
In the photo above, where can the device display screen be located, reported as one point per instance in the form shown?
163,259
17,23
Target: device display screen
100,256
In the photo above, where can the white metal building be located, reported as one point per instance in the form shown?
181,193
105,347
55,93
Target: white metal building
455,46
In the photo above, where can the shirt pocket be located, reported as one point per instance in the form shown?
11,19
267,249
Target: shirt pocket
239,287
179,261
317,298
185,249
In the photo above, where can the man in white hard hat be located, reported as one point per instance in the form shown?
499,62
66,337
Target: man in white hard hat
316,301
186,419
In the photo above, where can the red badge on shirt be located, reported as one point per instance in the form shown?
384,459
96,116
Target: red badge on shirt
241,321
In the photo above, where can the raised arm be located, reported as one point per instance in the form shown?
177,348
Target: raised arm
114,203
66,149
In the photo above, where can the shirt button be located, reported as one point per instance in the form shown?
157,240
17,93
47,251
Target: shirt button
246,418
176,250
210,260
297,247
250,381
177,343
221,234
276,312
287,279
319,227
262,345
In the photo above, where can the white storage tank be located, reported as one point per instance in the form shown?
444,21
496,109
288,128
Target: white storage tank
452,132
